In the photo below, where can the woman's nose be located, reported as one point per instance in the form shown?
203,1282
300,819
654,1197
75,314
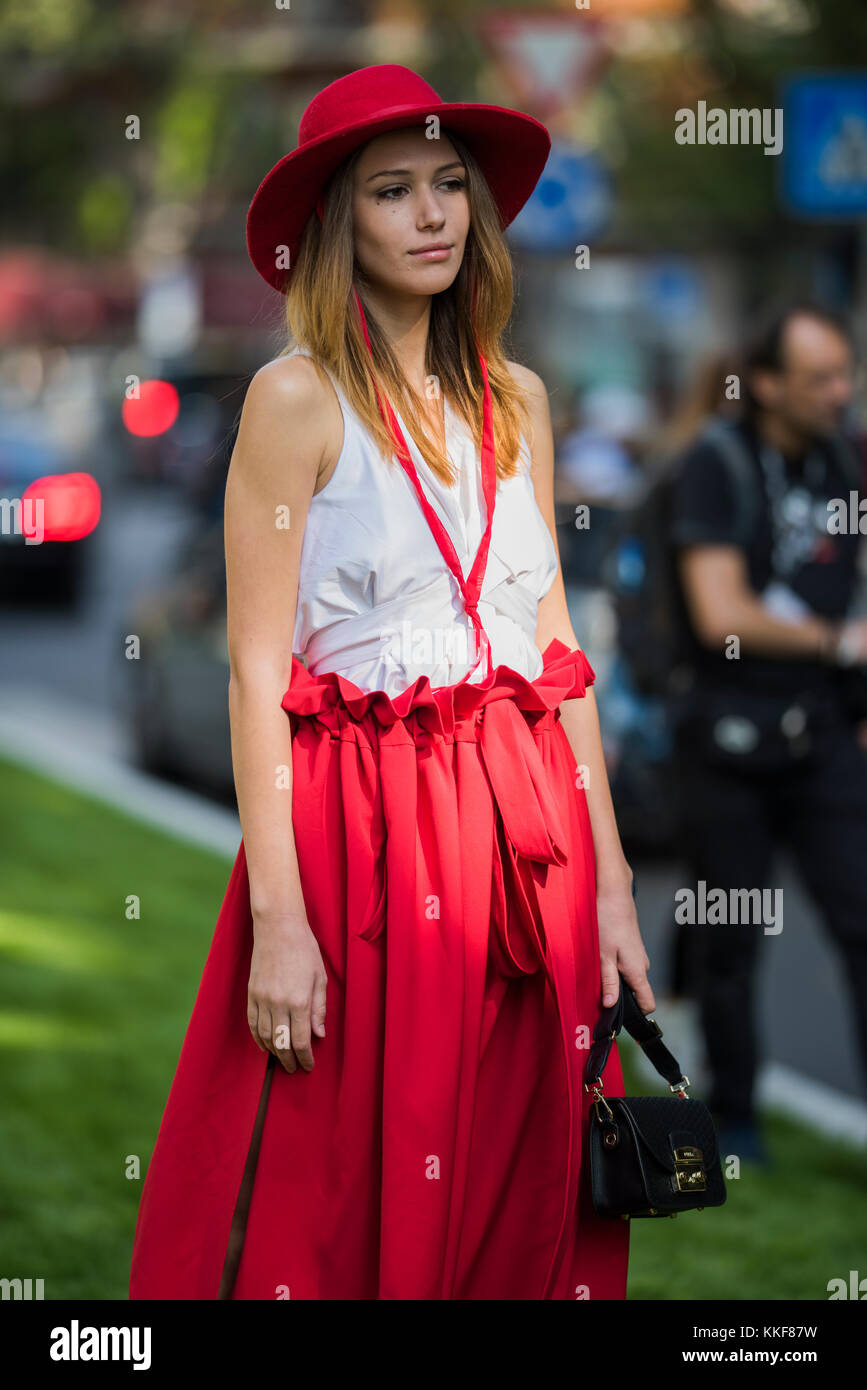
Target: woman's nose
430,212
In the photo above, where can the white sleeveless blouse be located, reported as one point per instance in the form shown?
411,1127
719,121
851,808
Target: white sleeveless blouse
377,602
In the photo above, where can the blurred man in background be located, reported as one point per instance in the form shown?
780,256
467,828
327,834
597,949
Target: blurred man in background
771,739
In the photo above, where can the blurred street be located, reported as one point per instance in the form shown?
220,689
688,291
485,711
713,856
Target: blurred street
75,657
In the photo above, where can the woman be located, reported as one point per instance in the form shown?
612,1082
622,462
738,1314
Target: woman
434,888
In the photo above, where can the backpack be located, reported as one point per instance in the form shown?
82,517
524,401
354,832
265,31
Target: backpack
641,567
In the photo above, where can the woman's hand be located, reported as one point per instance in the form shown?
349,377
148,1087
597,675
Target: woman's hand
621,947
286,992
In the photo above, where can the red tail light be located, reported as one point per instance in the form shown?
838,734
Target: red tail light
154,411
61,507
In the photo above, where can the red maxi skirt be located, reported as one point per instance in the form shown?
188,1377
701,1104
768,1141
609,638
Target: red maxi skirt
437,1150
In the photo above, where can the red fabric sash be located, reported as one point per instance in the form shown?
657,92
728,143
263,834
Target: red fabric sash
470,587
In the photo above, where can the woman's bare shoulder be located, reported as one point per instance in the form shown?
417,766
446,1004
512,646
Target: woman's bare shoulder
530,382
290,399
292,382
535,402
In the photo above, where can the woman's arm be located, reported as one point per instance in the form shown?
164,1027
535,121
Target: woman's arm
285,433
621,946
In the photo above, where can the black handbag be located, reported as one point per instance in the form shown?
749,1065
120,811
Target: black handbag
649,1155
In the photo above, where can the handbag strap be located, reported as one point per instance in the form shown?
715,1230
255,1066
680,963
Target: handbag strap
626,1013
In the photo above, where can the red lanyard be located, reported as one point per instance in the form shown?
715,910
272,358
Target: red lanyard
471,587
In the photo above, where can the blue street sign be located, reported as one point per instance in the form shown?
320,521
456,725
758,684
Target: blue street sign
571,204
824,169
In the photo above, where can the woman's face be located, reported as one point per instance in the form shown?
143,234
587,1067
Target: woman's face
409,195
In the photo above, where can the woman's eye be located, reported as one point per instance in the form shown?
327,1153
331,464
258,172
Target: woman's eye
395,191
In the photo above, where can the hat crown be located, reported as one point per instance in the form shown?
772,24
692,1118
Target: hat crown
362,96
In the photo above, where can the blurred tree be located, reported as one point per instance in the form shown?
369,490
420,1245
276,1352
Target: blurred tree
105,215
218,86
731,53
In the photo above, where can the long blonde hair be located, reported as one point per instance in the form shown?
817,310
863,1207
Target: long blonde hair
322,317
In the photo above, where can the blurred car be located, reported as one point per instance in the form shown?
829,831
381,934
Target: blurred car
51,572
636,724
192,451
177,686
637,738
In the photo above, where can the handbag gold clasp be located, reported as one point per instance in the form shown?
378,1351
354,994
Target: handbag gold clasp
688,1169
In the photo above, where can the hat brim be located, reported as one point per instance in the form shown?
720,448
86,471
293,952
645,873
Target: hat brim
511,148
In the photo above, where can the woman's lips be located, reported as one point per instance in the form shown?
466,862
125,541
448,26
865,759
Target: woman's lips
435,253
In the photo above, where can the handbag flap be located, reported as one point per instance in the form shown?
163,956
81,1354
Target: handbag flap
661,1123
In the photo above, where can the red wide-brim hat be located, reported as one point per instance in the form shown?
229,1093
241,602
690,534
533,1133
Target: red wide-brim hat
511,149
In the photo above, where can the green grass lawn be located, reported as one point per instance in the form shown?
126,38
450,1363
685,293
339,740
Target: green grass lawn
93,1009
